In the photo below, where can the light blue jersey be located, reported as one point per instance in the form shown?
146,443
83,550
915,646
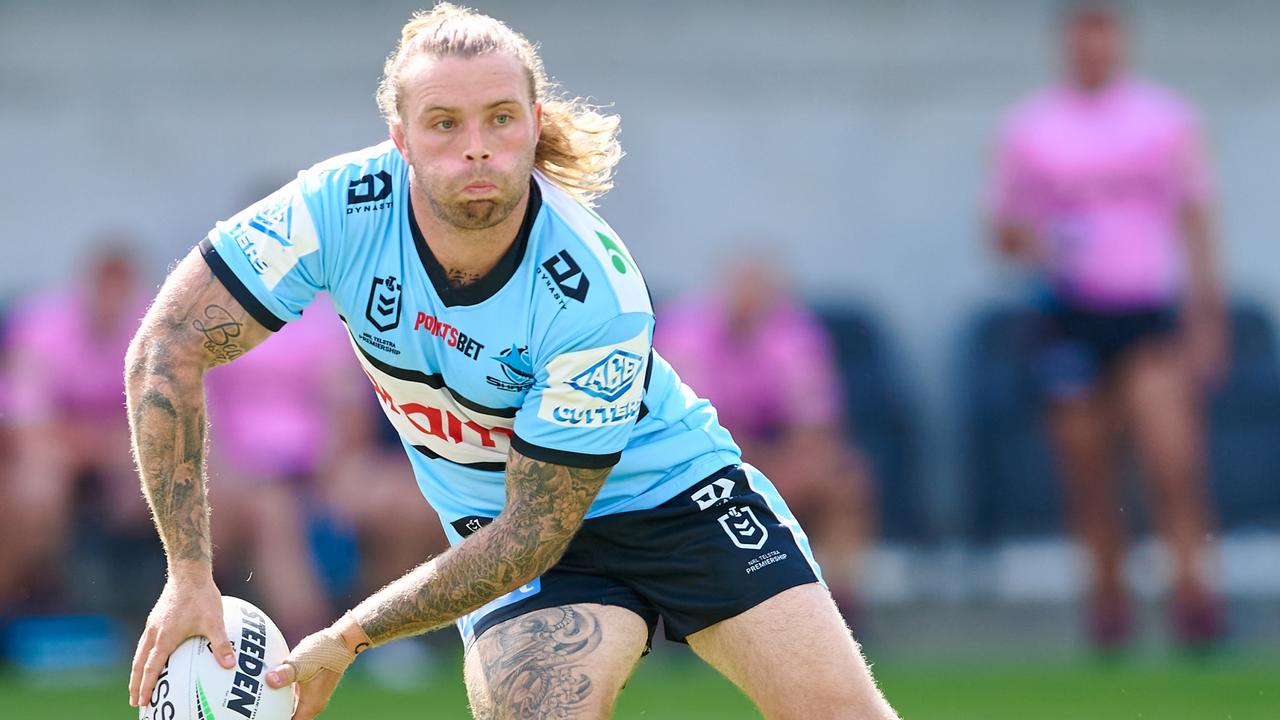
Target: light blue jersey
549,354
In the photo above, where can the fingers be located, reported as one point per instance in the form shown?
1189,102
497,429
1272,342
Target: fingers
220,645
310,698
281,675
161,649
139,660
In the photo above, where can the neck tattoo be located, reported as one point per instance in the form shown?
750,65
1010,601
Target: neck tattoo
460,278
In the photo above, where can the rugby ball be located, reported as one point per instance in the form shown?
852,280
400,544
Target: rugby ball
193,686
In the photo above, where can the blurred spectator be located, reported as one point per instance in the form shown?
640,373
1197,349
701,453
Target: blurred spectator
271,429
66,424
1101,188
293,452
369,489
768,366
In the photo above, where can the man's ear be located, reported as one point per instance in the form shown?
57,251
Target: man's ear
395,128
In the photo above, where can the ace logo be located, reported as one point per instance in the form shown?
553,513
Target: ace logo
383,309
610,378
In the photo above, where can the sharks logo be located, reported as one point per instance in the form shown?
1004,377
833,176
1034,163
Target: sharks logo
517,370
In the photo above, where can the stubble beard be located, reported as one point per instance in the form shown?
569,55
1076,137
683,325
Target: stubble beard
482,214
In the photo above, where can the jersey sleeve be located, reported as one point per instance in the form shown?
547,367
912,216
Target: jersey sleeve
587,395
269,255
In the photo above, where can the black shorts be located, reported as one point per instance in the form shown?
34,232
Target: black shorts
719,548
1079,347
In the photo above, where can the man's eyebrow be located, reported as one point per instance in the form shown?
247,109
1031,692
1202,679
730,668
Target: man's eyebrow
490,106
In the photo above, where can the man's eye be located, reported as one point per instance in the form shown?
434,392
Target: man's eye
445,124
502,119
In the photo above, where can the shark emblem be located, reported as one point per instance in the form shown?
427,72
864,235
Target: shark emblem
517,370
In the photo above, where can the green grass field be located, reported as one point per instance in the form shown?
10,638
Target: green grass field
1234,687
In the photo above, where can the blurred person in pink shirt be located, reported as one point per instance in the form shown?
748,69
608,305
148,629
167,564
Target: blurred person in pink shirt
64,412
768,366
295,438
1101,188
273,418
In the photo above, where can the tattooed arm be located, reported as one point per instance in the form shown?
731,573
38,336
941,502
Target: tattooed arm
193,325
545,507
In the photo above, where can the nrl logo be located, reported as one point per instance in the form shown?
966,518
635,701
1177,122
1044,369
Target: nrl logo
744,528
611,377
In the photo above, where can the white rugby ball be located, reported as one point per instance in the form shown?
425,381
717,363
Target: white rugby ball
193,686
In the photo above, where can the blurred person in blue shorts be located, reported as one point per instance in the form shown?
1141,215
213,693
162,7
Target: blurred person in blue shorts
274,420
506,331
1101,188
64,367
769,367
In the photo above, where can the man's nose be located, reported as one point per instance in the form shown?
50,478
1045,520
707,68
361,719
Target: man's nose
477,145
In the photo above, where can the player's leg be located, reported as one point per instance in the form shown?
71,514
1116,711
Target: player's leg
1080,428
283,557
568,661
794,657
1161,401
37,507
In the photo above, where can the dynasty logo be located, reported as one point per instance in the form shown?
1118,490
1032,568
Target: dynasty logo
366,194
564,278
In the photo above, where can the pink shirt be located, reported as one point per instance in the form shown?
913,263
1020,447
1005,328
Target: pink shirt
61,365
1102,179
271,410
782,374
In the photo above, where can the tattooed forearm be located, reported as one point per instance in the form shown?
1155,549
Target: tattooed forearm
545,507
220,330
193,325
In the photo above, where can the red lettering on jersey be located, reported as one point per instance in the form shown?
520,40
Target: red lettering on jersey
452,336
434,419
384,397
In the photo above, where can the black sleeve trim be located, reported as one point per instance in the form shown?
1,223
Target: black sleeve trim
564,457
236,287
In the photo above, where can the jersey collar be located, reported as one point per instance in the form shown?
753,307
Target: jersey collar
493,281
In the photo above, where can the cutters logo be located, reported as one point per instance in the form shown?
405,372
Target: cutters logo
369,189
744,529
516,368
567,275
610,378
276,220
383,309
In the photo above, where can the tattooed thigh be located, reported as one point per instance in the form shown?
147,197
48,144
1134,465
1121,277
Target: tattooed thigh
561,662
